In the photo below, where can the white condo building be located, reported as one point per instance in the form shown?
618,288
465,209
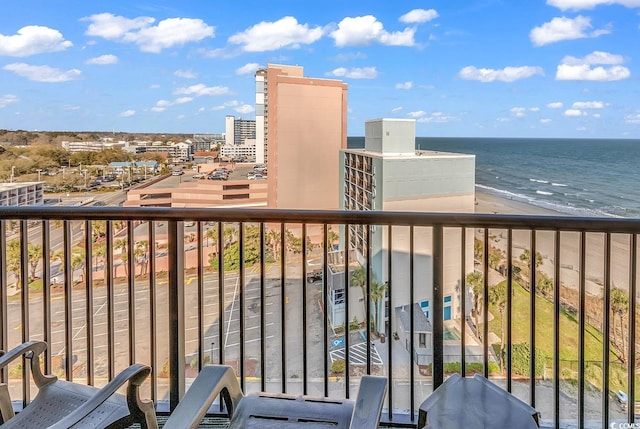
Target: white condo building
389,174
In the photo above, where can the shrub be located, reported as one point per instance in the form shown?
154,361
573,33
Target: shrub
520,356
338,366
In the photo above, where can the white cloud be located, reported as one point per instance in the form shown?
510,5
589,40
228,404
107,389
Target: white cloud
590,4
503,119
269,36
518,111
507,74
365,30
436,117
595,57
7,99
43,73
32,40
355,72
418,16
417,114
128,113
183,100
248,68
150,38
545,120
244,109
586,72
185,74
573,68
632,119
103,60
564,28
574,112
201,89
534,109
555,105
588,105
396,109
404,85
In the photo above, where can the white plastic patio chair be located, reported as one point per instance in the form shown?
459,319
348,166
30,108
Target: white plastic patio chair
61,404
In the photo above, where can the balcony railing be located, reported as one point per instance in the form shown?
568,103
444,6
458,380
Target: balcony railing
425,295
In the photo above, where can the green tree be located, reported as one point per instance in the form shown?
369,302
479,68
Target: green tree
620,307
544,284
141,253
212,234
35,255
14,263
378,291
272,240
122,244
77,260
498,297
526,258
476,281
100,253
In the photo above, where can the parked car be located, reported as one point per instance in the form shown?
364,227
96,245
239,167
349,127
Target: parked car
257,177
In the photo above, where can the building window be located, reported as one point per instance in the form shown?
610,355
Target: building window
424,306
338,296
422,340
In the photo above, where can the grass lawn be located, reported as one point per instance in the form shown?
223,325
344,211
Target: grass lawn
544,326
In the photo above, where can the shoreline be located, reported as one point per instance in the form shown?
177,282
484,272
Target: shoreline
493,204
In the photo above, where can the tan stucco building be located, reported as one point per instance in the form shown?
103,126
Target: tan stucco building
301,126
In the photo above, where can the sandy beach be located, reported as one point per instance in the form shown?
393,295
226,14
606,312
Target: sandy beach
569,253
488,203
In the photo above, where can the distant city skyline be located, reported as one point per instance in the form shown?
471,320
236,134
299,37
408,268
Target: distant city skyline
485,68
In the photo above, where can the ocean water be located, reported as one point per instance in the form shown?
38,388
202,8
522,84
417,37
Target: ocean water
582,177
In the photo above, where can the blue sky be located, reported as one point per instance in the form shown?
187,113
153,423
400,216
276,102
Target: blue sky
534,68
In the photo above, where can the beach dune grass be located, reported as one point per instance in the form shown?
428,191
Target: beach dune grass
568,357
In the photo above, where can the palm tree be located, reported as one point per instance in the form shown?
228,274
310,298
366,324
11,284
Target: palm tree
620,307
359,279
35,254
212,234
57,256
77,261
229,235
100,252
498,297
140,253
378,291
14,264
476,281
332,237
273,242
121,244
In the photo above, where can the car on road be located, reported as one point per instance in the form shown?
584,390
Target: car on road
257,177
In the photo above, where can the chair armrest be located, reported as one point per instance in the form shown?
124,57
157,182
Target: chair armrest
212,380
31,350
135,374
368,406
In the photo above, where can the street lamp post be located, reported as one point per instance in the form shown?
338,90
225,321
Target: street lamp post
13,169
84,172
38,170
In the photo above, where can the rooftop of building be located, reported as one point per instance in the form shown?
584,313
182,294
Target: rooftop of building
7,186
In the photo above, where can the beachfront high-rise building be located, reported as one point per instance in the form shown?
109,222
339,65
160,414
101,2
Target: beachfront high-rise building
301,125
389,174
238,130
